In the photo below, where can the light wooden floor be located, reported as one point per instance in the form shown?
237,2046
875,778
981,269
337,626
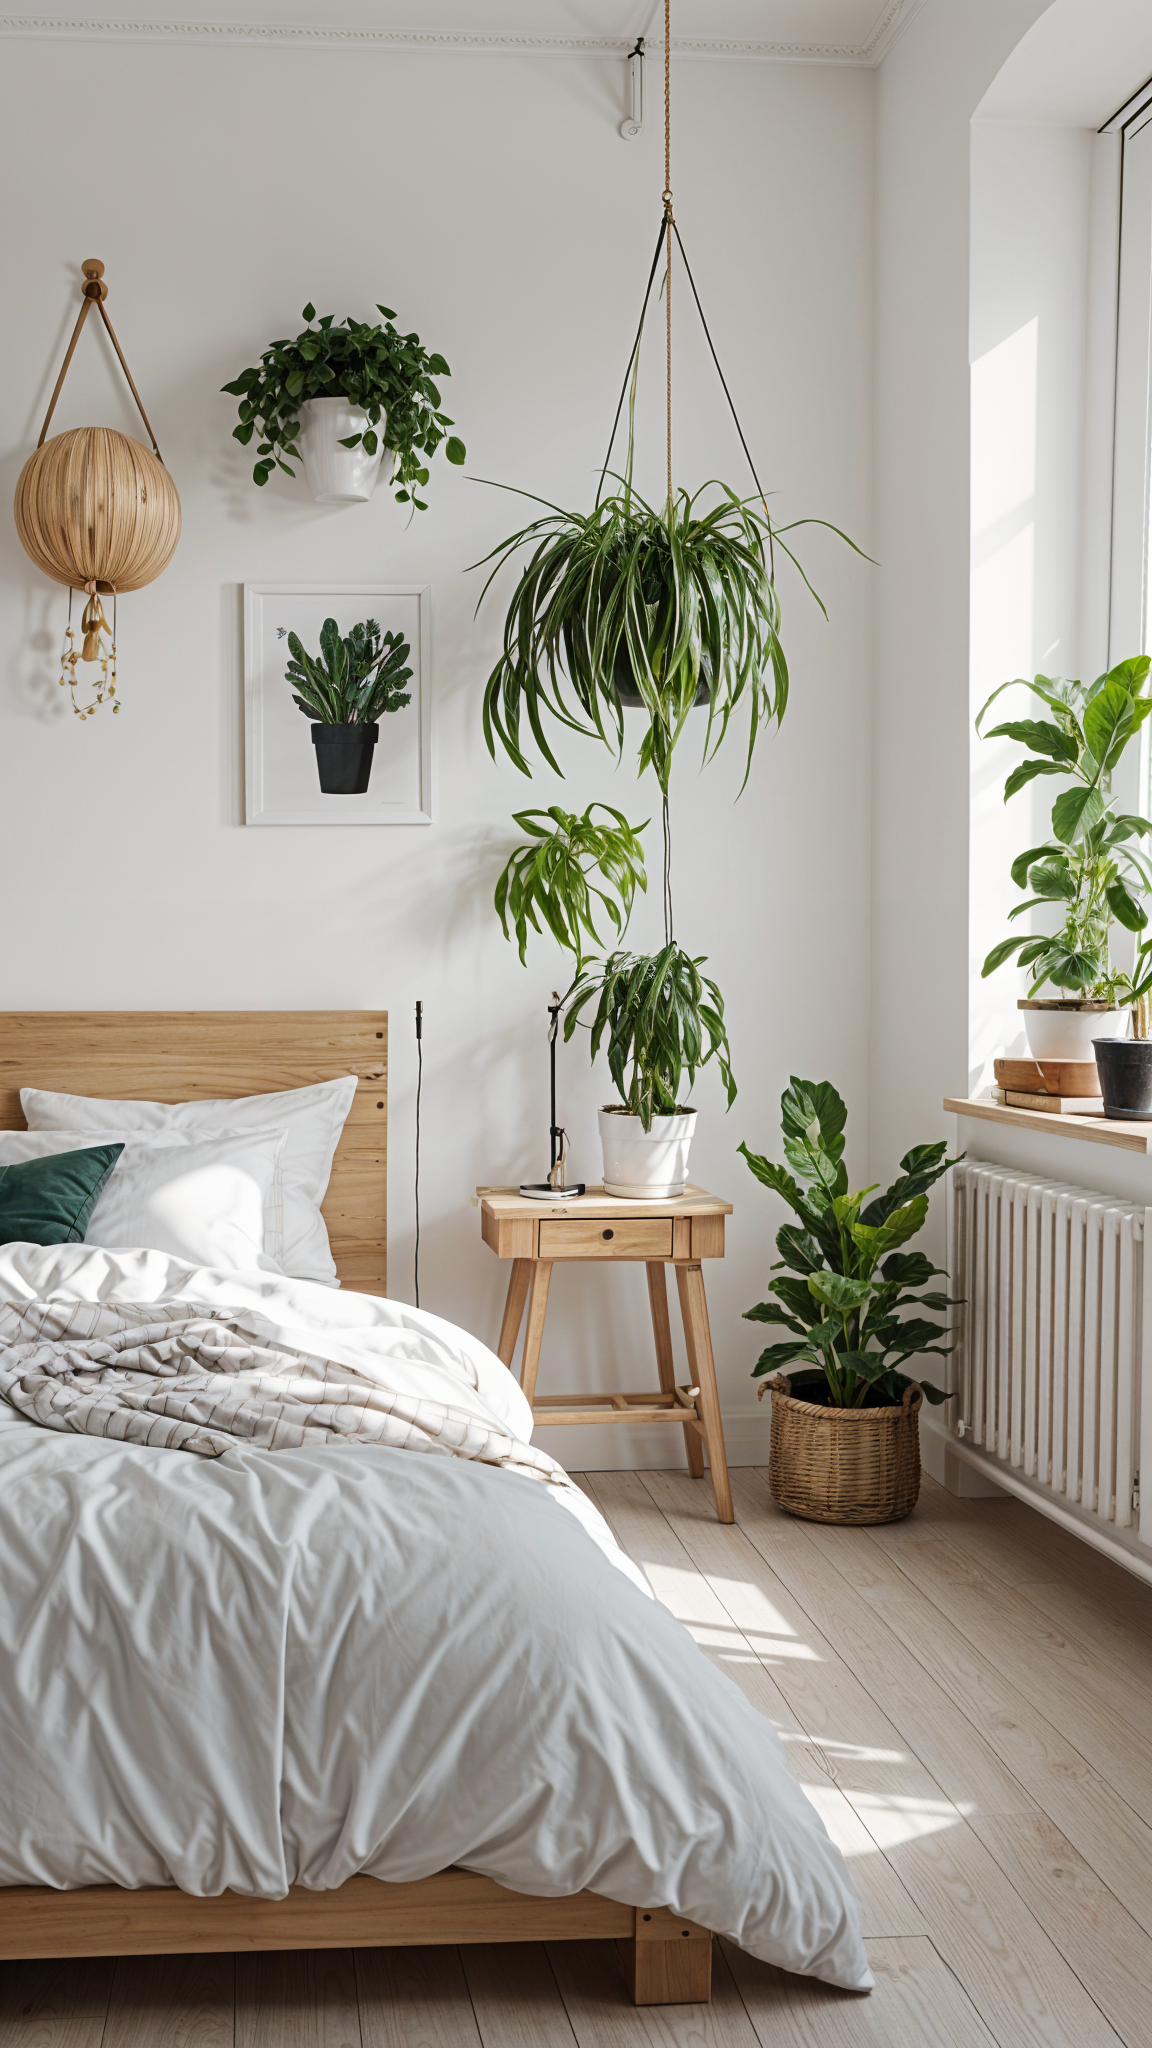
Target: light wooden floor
967,1699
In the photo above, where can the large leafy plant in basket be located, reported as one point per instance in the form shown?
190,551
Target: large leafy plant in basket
846,1283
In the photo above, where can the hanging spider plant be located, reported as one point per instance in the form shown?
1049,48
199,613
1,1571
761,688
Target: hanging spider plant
627,599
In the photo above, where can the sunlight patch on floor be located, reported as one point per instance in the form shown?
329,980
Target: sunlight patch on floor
844,1752
892,1818
714,1635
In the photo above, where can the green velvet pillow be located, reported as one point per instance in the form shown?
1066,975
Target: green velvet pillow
50,1201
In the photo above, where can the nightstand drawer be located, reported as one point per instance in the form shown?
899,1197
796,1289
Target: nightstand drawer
604,1237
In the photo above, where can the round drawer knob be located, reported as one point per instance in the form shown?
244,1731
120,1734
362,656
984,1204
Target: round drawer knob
607,1233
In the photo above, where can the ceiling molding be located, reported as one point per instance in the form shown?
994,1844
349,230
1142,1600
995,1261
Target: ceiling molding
890,23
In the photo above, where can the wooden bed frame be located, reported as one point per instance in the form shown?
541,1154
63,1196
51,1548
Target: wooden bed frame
187,1056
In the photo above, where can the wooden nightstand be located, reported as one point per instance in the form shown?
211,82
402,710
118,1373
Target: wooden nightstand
596,1226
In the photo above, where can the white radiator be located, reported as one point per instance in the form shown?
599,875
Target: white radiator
1052,1340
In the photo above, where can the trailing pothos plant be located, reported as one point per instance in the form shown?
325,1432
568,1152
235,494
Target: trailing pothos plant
659,1019
1094,868
659,603
354,680
846,1282
547,881
391,375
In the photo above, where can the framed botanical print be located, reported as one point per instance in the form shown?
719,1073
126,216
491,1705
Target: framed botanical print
338,703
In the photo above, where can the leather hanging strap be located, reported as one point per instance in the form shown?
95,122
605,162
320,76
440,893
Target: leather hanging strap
95,293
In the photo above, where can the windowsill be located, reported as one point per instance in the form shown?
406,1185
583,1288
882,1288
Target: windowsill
1093,1129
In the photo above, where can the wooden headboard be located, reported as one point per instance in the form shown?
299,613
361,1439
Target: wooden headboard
196,1055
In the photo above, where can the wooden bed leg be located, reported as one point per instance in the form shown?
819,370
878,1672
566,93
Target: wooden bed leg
668,1961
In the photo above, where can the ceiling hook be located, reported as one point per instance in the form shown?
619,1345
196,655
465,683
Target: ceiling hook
633,125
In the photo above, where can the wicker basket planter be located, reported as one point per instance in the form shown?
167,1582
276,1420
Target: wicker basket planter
846,1465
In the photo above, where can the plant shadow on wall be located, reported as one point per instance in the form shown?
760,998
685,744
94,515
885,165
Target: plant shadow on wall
663,608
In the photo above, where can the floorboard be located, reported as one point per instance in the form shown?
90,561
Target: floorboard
302,2000
966,1699
917,2003
55,2005
414,1998
172,2002
515,1996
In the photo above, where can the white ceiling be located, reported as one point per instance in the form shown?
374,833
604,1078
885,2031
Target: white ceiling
1076,65
841,30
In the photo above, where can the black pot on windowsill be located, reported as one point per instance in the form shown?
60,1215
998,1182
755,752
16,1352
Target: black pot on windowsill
344,757
1125,1069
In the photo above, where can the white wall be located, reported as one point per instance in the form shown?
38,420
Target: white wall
1029,332
491,201
928,89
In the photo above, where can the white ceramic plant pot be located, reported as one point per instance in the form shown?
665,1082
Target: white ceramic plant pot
1065,1031
336,475
645,1166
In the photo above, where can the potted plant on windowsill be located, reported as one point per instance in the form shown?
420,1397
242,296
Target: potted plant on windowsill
845,1428
337,399
354,682
1093,868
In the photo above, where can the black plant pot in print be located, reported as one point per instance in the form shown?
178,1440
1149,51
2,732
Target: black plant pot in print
344,757
1125,1069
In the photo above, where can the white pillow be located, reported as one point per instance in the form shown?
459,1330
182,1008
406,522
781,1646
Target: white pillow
312,1117
40,1144
203,1200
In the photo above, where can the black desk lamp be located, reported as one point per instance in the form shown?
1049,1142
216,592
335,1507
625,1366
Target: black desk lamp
553,1189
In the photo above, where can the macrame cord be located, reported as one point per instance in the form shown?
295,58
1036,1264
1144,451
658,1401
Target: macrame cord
99,641
669,232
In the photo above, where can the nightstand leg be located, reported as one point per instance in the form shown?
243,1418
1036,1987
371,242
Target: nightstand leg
537,1310
698,1338
662,1331
514,1308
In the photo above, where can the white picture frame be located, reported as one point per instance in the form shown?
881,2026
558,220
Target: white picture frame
281,783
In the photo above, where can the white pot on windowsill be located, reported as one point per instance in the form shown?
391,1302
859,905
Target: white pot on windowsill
1065,1029
645,1166
336,475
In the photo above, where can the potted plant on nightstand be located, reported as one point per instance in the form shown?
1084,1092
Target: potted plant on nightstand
660,1020
351,684
1093,869
340,396
845,1414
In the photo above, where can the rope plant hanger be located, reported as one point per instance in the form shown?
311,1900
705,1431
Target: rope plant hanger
99,512
661,607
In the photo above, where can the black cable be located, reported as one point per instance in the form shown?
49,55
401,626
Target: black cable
419,1084
632,357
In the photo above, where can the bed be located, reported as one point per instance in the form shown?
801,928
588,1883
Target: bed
544,1738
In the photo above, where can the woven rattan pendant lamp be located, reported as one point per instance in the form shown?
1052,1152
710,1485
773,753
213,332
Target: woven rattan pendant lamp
97,511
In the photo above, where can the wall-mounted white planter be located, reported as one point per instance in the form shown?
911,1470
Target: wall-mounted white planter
645,1166
336,475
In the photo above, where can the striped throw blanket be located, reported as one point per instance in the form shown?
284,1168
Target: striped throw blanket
187,1379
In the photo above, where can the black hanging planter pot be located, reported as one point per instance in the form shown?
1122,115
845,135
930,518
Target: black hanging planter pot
627,690
1125,1069
344,757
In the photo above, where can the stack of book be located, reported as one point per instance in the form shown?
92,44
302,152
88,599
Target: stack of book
1062,1087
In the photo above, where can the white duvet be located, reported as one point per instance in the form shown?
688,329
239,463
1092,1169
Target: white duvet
271,1668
